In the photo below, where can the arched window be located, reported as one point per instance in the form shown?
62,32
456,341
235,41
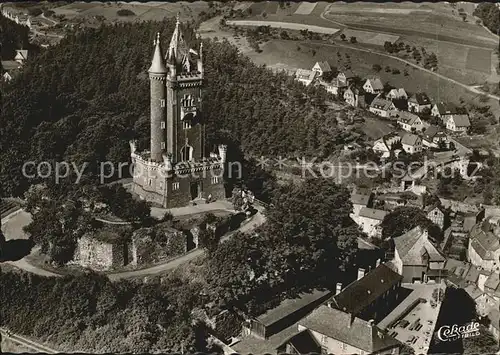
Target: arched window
186,153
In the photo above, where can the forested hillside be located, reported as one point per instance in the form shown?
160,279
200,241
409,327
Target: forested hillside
12,37
490,14
84,99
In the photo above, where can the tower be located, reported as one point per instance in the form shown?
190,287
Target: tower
176,169
184,82
157,76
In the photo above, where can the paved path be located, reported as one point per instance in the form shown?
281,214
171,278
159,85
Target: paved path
255,221
30,344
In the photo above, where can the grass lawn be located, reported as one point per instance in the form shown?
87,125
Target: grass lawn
468,65
285,52
432,21
375,128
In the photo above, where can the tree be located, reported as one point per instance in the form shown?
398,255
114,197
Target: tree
343,37
387,68
208,239
376,67
485,343
395,71
402,219
353,39
284,35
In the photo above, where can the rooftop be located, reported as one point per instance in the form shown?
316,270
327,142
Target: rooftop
420,98
413,246
376,83
410,139
461,120
361,293
356,332
372,213
360,199
291,305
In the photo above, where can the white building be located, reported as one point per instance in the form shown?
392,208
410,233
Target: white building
305,76
373,86
411,143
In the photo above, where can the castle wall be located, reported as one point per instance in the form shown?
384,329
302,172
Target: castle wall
99,255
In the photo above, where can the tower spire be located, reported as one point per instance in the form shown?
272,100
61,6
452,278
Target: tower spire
157,64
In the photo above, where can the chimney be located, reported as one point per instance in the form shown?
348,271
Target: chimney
371,322
361,273
377,263
425,233
339,288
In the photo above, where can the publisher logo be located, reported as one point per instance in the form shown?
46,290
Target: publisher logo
455,332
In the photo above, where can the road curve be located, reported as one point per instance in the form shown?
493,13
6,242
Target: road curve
30,344
254,221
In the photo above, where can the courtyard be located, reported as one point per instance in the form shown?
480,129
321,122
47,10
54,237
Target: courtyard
413,321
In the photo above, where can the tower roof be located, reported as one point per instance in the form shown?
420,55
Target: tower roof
177,50
158,64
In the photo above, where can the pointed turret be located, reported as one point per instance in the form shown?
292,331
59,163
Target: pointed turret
177,46
157,64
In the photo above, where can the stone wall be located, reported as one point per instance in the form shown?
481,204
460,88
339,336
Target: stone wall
100,255
152,245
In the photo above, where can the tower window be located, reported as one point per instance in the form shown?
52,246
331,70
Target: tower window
215,180
162,145
175,186
162,102
186,153
186,124
162,125
150,182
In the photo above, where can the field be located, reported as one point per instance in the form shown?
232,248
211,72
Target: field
305,8
375,128
429,20
155,11
287,25
372,38
286,53
466,64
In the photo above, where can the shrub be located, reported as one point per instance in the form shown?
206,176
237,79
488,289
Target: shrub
353,40
125,12
376,67
395,71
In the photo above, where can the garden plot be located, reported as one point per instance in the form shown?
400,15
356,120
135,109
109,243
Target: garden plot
373,38
305,8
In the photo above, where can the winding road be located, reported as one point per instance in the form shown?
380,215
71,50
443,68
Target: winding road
341,25
14,233
30,344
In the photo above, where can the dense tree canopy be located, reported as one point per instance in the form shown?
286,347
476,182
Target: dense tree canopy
85,98
12,36
402,219
94,315
489,13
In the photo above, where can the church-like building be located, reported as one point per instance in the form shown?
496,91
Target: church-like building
176,169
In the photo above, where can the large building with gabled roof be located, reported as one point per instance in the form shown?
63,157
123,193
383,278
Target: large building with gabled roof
416,258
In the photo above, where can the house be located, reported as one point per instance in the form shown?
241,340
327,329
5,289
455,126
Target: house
21,56
354,97
360,200
458,123
385,144
484,245
321,68
418,102
442,109
416,258
305,76
339,332
335,87
437,215
434,137
369,220
409,121
373,86
372,296
345,76
411,143
382,107
397,94
10,69
494,327
285,314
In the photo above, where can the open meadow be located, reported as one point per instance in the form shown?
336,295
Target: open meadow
291,54
141,11
438,21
